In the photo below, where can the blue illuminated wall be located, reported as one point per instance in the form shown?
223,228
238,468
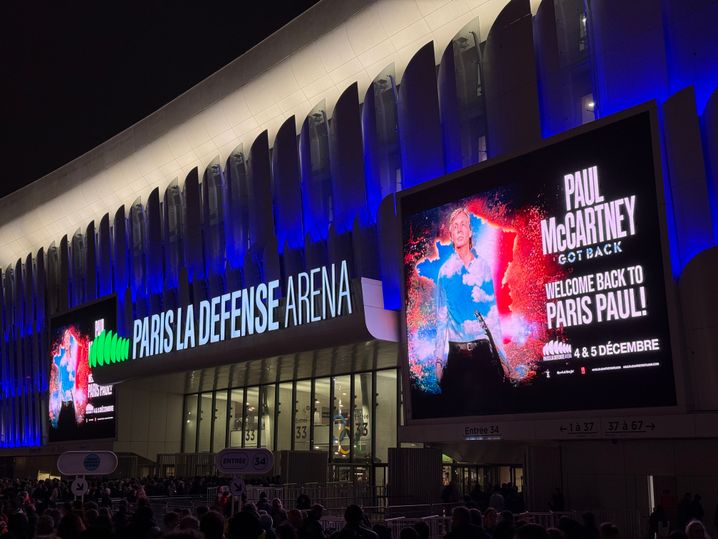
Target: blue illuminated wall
322,189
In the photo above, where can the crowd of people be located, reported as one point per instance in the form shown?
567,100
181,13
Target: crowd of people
47,510
670,513
505,496
471,523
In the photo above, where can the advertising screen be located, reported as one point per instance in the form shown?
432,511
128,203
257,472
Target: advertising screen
537,284
80,409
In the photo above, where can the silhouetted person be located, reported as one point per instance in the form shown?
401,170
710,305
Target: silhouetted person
142,524
450,493
684,510
491,518
476,517
312,528
570,528
304,502
279,514
265,520
70,527
212,525
18,526
422,529
188,522
696,530
244,525
504,530
461,526
263,504
170,521
590,529
656,521
45,528
497,500
609,531
354,527
695,510
382,530
557,502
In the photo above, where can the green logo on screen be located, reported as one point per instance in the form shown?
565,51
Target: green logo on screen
108,348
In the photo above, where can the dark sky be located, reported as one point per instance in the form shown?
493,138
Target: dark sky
74,74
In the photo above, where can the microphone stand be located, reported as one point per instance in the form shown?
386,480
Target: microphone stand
492,345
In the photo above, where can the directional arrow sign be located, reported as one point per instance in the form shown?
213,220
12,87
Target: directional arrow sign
256,461
236,486
87,463
79,487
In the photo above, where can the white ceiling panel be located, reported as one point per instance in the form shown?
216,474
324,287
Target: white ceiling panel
398,14
336,49
365,30
414,32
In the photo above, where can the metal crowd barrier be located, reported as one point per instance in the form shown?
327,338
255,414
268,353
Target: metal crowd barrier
439,526
336,496
332,524
333,496
161,505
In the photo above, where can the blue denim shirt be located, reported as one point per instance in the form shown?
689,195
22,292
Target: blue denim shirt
460,292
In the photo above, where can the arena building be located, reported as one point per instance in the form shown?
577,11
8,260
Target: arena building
263,259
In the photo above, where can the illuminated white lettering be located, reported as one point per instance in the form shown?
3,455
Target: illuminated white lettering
597,224
568,188
260,323
303,295
155,325
145,347
136,336
344,291
169,334
225,315
569,312
236,313
189,328
317,294
179,344
290,305
204,321
272,304
330,292
214,319
248,312
313,295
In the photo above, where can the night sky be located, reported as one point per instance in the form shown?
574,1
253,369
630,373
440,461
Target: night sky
74,74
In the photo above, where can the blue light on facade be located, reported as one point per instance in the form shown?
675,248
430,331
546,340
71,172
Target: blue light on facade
634,52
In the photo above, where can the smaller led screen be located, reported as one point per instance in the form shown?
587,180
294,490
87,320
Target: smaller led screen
80,409
537,284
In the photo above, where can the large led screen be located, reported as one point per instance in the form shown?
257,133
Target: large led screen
80,409
537,284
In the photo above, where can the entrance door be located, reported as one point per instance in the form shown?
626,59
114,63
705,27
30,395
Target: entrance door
509,478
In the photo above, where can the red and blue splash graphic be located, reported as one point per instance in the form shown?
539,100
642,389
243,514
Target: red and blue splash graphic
69,374
509,240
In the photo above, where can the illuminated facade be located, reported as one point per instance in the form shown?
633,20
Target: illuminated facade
288,159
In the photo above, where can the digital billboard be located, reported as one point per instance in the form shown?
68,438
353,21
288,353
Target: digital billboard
78,408
537,284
